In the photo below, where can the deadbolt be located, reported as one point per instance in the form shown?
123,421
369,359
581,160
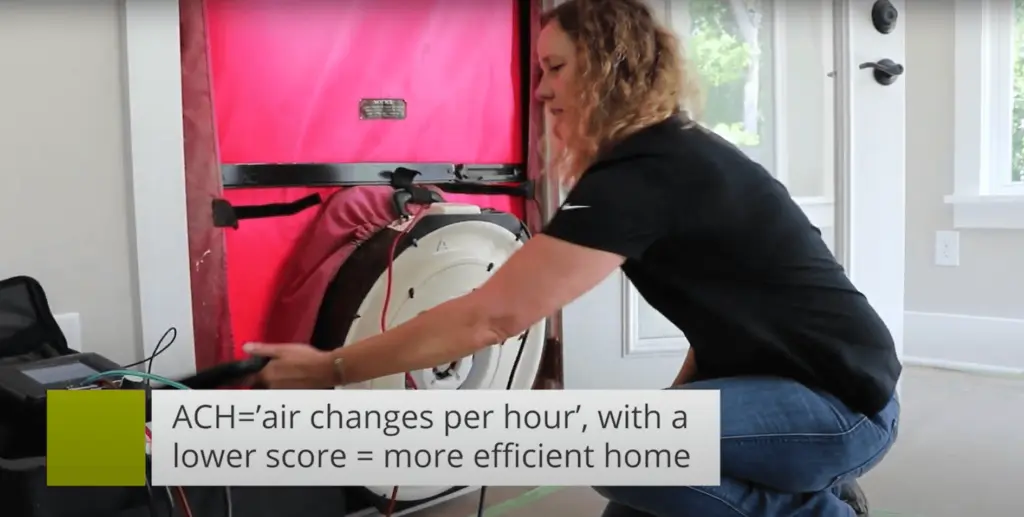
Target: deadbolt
883,16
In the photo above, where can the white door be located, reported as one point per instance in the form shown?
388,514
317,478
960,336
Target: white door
783,80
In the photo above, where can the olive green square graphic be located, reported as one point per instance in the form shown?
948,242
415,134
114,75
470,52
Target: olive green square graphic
96,438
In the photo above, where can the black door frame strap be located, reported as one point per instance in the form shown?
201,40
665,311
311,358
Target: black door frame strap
226,215
492,180
404,178
351,174
523,189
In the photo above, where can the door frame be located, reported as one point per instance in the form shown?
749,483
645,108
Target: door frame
868,202
871,200
156,143
151,49
869,229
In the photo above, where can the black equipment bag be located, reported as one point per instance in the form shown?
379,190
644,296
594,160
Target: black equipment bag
27,328
29,332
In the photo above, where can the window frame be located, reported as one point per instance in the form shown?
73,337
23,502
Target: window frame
983,196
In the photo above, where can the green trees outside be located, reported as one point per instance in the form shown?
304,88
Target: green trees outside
1018,91
725,45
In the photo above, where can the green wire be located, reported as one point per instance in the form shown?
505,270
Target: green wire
144,375
526,498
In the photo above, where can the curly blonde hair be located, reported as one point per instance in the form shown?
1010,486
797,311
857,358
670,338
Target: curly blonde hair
631,73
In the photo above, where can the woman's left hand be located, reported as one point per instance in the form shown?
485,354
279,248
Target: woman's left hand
293,366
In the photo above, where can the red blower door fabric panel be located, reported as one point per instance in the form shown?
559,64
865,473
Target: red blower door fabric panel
210,305
257,252
288,78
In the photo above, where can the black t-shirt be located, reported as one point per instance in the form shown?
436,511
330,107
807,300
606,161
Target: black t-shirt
715,244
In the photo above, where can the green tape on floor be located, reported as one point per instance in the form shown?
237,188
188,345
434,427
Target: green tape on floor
524,499
532,496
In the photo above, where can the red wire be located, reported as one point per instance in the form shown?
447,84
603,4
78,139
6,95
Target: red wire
184,502
390,279
392,502
181,492
410,383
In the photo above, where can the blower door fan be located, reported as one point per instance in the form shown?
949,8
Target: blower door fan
453,249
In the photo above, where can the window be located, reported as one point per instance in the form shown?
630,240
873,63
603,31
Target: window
989,115
730,45
1016,173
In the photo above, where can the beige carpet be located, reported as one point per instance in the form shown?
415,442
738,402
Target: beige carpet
960,453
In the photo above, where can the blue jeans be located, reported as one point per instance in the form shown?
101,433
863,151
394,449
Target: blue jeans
786,449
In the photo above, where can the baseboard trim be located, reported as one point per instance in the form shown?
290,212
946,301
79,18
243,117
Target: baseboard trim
960,366
974,344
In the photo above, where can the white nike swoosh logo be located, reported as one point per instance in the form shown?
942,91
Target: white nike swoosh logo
573,207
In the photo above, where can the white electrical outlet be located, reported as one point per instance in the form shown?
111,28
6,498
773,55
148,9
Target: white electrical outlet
947,248
71,325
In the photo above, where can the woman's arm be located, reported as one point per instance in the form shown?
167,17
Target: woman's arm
542,277
688,370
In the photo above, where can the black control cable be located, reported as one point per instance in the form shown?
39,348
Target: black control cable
170,335
160,348
515,366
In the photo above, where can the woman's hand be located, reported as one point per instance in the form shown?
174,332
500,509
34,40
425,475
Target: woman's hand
293,366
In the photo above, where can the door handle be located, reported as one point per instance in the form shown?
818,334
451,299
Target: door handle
885,70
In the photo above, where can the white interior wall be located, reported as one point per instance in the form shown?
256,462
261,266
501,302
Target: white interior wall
65,206
971,314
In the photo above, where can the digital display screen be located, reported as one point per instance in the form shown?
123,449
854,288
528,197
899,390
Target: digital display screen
59,373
